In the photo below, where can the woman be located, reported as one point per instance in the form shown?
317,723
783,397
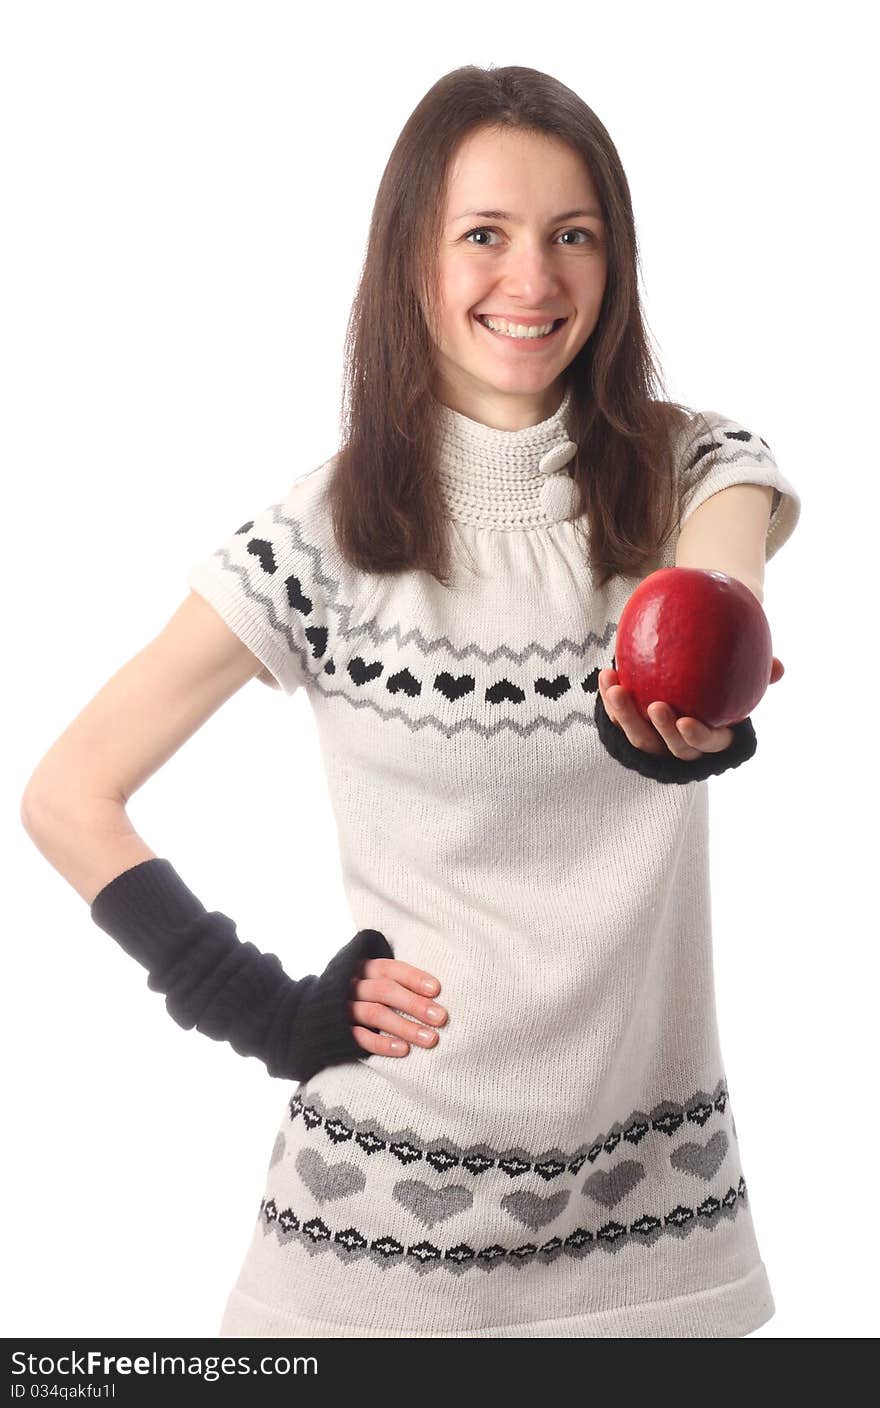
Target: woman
511,1116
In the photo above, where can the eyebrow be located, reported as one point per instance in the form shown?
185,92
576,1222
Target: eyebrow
506,215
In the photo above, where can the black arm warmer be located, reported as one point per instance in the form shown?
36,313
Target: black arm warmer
665,767
228,989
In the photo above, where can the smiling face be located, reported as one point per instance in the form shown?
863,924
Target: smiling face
535,252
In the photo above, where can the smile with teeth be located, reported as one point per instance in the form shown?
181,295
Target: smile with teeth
502,328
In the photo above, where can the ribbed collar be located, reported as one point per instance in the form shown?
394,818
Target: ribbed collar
507,479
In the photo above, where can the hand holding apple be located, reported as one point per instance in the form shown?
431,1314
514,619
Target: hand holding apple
693,657
685,737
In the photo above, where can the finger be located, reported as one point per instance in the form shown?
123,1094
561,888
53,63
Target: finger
615,702
638,730
663,719
703,738
416,979
606,679
388,993
378,1044
384,1019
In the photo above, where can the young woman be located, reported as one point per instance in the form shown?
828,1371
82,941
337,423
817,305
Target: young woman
511,1115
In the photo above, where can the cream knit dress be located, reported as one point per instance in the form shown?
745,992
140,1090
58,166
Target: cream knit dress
564,1162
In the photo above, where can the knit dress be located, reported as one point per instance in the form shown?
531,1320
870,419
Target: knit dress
563,1162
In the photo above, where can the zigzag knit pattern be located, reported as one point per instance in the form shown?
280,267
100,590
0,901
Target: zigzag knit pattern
325,1178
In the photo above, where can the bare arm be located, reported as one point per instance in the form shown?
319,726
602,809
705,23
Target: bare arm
728,533
73,807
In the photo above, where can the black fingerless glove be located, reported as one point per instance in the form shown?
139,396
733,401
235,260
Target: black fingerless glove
665,767
228,989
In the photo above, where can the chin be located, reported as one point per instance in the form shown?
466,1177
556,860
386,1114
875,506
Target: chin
519,383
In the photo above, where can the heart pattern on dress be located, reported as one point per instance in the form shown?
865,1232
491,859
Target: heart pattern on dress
432,1205
327,1182
405,680
454,686
552,689
608,1185
297,597
361,672
278,1149
703,1160
532,1210
317,636
503,690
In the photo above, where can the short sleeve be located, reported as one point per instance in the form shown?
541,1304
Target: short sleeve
265,580
719,452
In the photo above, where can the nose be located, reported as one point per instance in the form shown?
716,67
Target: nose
529,275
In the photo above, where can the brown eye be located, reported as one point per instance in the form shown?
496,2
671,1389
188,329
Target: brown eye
482,230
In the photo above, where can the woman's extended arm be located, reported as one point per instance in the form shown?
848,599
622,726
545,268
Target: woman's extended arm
726,533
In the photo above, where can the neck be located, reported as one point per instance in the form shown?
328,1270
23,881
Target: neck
506,479
501,410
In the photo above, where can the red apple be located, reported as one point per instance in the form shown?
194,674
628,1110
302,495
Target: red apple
699,641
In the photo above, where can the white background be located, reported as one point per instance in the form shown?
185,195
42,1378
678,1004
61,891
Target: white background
187,189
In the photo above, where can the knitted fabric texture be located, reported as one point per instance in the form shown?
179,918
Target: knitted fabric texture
227,989
563,1162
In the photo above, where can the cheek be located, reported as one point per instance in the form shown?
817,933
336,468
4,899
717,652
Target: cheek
464,285
591,293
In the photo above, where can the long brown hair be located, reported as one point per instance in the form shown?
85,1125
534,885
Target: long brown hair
385,500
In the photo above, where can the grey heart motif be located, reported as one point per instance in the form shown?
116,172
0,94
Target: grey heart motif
704,1161
328,1181
429,1204
608,1186
278,1149
532,1210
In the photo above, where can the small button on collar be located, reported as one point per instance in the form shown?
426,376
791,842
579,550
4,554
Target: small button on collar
557,457
559,494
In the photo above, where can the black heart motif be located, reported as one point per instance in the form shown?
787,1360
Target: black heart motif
296,598
261,549
318,637
553,689
454,686
497,693
361,672
405,681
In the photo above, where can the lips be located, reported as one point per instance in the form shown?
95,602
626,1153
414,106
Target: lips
500,318
520,346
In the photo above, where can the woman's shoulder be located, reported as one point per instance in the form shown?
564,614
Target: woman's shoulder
708,431
280,582
306,501
718,450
